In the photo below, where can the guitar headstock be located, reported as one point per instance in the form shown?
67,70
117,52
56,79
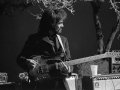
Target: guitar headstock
113,54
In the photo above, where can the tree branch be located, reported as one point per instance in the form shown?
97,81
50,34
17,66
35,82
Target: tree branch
114,32
96,7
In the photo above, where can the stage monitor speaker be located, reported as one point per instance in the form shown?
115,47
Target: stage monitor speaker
101,82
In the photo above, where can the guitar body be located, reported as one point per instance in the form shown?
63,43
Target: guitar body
45,69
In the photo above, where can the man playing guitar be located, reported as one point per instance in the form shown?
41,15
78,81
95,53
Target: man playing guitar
45,52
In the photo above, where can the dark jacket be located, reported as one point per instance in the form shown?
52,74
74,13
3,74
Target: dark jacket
40,45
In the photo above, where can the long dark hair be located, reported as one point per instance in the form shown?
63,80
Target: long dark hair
50,18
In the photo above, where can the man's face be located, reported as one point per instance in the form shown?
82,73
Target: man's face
59,26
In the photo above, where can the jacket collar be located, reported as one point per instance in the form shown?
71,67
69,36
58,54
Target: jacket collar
46,39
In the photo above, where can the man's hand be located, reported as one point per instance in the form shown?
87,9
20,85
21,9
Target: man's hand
34,61
31,62
63,68
34,67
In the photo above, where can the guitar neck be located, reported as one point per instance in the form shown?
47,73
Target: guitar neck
86,59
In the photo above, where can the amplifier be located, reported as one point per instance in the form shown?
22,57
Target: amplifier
115,65
103,82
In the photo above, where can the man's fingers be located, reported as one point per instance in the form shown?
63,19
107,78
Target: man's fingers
62,66
32,61
65,65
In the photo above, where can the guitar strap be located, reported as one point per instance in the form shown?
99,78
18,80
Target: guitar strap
70,83
59,38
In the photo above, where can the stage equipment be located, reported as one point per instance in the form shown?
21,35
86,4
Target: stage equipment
3,77
115,67
101,82
71,82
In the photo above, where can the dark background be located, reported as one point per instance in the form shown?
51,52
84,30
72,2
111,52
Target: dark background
79,29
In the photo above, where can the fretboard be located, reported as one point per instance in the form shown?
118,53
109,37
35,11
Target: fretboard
86,59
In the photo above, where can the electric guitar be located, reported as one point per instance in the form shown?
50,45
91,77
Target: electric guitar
41,63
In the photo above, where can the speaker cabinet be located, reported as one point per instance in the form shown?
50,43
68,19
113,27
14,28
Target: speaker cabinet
115,65
101,82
